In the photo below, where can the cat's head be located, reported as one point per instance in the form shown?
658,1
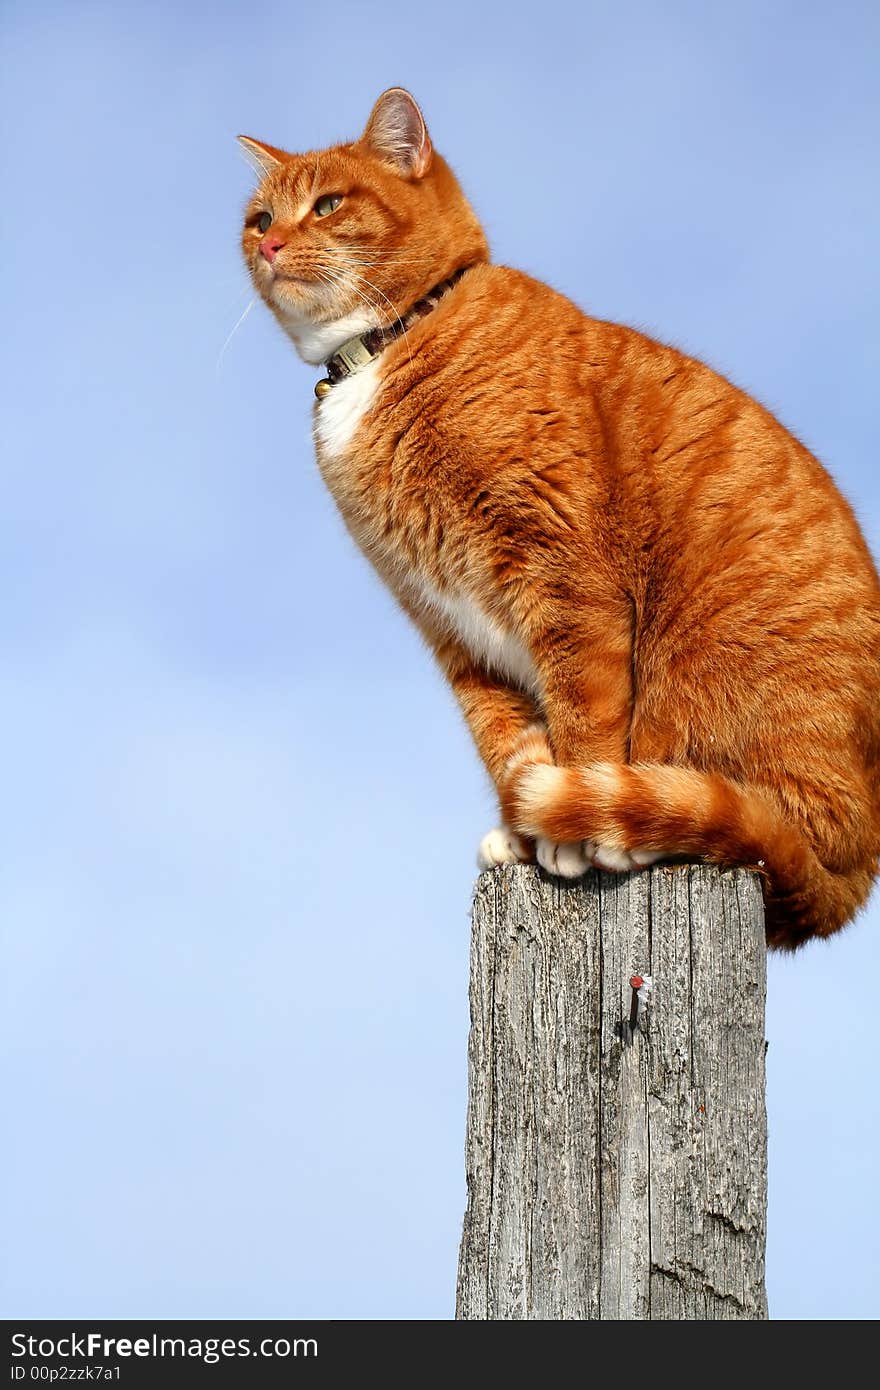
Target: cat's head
340,240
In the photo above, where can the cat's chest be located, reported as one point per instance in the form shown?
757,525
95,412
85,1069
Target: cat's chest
446,600
341,412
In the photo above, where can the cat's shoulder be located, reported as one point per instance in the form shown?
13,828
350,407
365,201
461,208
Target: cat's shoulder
503,286
502,300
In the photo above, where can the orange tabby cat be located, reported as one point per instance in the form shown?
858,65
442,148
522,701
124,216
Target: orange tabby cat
655,608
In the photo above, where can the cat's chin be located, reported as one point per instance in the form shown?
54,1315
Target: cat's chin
292,296
316,337
283,283
316,325
300,302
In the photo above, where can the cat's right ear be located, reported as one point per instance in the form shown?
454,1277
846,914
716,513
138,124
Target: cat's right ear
263,159
397,133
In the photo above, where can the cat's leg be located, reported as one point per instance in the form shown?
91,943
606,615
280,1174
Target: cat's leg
498,717
585,663
587,686
508,727
505,724
565,859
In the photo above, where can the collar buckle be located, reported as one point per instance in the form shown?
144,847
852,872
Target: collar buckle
359,351
354,354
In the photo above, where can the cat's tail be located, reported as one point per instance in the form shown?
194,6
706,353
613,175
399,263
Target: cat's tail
679,811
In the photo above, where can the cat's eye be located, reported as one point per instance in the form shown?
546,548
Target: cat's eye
264,221
329,203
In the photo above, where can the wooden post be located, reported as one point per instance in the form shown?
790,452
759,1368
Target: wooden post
613,1175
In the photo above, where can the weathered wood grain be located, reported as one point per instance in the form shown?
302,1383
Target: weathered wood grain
612,1176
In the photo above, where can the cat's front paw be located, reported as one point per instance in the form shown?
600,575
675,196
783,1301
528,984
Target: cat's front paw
644,858
624,861
613,861
502,846
569,859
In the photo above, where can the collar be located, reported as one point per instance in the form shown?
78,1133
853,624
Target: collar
359,351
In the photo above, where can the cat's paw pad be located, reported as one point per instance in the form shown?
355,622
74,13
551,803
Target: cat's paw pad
502,846
569,859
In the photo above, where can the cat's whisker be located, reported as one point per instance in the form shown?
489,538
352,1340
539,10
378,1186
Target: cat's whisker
397,314
235,327
333,283
353,282
332,277
390,259
336,282
332,272
368,299
363,246
353,261
382,314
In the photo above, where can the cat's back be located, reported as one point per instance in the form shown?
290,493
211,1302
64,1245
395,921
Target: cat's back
684,455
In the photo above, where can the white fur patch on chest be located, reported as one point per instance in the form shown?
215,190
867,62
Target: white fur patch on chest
342,409
485,639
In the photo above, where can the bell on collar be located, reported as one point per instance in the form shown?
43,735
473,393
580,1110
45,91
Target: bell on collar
323,387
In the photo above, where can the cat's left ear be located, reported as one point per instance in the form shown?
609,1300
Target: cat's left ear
397,133
263,159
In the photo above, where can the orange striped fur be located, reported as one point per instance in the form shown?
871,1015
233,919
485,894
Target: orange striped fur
656,610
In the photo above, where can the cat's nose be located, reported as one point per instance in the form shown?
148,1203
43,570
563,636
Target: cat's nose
269,247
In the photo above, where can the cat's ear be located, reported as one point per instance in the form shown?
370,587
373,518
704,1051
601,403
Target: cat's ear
263,159
397,133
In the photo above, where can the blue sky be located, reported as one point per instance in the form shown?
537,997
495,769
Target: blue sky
241,809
